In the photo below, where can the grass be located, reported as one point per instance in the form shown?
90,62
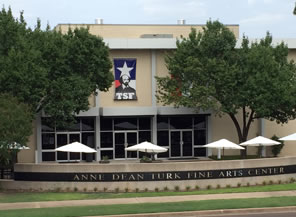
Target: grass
11,197
151,207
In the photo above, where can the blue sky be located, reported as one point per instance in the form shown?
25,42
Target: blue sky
254,17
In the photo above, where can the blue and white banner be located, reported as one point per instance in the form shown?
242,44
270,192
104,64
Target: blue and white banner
125,79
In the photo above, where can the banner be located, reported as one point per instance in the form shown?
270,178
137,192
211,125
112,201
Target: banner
125,79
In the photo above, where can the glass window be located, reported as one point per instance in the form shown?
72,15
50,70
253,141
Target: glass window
163,138
48,156
144,136
48,141
109,154
125,124
200,152
162,123
181,123
105,124
62,155
144,124
47,125
200,123
88,124
62,139
200,137
74,126
106,139
88,139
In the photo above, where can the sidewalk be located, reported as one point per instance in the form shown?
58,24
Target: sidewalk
164,199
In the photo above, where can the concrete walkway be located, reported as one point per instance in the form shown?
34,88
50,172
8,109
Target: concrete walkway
164,199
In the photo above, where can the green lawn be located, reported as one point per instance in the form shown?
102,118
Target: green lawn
151,207
10,197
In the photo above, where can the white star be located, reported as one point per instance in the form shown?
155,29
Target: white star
125,70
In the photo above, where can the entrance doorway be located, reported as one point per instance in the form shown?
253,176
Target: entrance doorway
181,144
122,141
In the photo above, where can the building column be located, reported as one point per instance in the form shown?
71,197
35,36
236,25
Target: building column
209,134
38,151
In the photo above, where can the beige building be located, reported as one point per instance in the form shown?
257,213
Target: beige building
118,119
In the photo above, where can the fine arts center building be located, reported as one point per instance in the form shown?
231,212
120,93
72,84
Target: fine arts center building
119,118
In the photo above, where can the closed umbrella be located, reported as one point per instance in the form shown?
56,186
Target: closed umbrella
221,145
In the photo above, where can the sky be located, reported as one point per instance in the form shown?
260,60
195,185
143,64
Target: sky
254,17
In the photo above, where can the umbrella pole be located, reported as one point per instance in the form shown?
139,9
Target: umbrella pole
219,153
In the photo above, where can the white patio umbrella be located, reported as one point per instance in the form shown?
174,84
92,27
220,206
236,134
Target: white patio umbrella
260,141
147,147
221,145
76,147
291,137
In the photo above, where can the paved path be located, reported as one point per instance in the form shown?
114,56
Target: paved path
68,203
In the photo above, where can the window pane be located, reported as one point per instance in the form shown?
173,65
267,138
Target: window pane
200,123
162,122
125,124
74,126
88,139
47,125
106,140
200,137
109,154
62,155
106,123
48,141
181,123
144,124
62,139
200,152
144,136
163,138
88,124
48,156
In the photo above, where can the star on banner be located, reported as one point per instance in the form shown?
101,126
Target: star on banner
125,70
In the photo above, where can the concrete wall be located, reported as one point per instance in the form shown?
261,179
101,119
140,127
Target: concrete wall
232,180
136,31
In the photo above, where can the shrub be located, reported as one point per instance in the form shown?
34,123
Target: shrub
270,182
137,190
238,185
126,190
218,186
75,189
228,186
166,188
105,189
95,189
276,149
116,190
188,188
85,189
156,189
177,188
146,189
197,187
209,187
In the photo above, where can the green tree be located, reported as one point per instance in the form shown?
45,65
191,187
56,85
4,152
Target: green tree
15,127
207,72
51,71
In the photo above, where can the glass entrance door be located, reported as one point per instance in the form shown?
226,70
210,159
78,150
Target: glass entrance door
123,140
181,144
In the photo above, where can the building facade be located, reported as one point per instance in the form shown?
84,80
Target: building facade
129,112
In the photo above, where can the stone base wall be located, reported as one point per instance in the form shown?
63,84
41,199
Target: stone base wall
165,175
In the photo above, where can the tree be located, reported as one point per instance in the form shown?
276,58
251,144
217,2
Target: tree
15,126
207,72
51,71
